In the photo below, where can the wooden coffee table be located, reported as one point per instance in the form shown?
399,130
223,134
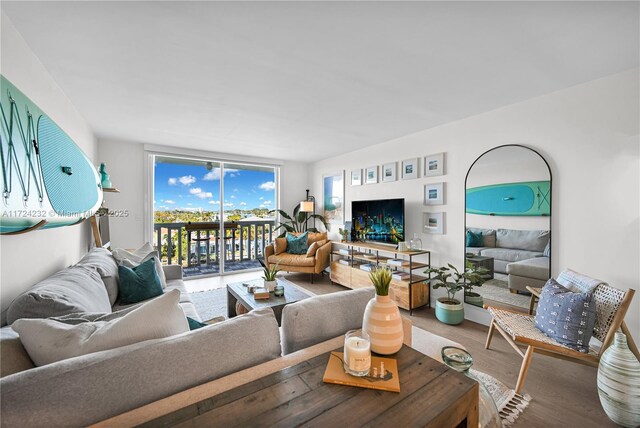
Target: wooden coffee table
237,292
431,395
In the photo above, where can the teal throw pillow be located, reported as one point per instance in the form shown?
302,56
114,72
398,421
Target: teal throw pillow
139,283
297,244
474,239
194,324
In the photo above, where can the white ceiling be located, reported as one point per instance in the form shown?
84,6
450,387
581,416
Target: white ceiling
309,80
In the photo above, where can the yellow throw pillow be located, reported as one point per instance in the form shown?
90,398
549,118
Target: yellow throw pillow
311,251
314,247
315,237
280,245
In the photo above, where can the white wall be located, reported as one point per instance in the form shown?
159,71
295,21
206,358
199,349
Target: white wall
589,136
125,164
28,258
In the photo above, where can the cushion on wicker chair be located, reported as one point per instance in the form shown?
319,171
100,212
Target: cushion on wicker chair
521,325
566,316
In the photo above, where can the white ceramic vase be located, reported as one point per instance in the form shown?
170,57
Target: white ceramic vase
383,324
270,285
619,383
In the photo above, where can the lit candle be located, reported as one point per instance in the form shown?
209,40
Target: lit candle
357,353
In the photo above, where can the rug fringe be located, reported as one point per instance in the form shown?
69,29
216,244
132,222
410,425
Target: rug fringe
513,408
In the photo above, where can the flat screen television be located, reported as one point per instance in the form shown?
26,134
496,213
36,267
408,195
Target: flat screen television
380,220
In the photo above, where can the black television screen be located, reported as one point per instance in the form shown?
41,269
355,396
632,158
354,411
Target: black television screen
380,220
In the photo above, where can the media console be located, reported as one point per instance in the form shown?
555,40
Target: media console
408,288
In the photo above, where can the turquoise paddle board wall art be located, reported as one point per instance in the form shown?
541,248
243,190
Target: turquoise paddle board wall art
529,198
47,181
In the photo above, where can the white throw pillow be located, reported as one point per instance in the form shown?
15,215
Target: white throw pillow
48,341
132,259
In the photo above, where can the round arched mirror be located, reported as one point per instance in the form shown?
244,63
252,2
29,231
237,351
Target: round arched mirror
508,225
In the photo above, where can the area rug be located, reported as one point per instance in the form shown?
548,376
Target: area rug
498,291
510,405
210,304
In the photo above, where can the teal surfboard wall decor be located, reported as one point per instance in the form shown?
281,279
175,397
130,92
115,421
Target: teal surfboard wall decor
47,180
531,198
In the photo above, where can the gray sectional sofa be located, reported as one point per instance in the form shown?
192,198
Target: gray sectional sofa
520,254
90,388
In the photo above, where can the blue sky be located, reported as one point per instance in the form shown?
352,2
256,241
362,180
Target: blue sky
194,187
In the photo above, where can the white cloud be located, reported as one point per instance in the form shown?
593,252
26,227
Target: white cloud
228,204
268,186
214,202
266,203
187,180
197,191
172,181
261,198
189,204
243,204
233,196
214,174
169,201
235,190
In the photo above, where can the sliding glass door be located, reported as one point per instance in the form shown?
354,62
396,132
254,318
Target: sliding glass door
211,216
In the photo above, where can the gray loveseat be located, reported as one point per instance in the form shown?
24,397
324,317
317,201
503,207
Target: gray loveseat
90,388
521,254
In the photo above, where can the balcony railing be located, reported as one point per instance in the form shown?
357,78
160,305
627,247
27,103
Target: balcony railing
198,247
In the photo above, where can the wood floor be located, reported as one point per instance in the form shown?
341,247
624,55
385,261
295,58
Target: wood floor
564,394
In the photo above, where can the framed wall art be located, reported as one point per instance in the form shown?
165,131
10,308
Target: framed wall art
356,177
434,194
410,169
434,165
389,172
371,176
433,223
333,197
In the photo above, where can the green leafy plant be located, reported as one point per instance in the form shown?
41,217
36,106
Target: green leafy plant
381,277
269,273
297,222
453,280
344,233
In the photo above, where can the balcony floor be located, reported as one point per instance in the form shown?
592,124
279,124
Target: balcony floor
214,268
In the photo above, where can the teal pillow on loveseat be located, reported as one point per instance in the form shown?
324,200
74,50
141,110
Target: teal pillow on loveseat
139,283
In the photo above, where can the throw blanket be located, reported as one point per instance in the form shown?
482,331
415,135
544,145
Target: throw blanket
577,282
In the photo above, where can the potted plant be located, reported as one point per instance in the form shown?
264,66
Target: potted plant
382,321
269,275
297,222
344,233
450,310
475,278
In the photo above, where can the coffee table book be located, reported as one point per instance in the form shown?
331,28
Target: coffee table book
335,373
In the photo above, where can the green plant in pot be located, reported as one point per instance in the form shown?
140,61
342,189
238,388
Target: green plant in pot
297,222
269,275
450,310
382,321
476,278
344,233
